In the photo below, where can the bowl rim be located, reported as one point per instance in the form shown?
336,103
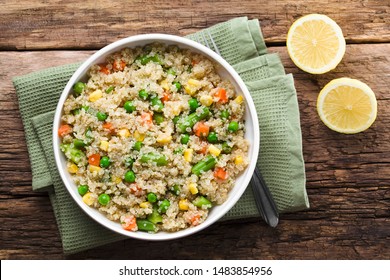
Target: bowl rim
166,39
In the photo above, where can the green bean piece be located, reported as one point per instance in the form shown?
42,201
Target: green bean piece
78,144
175,189
178,151
175,119
137,146
233,126
225,114
82,189
202,202
157,104
144,59
88,136
146,225
204,165
155,217
212,137
101,116
130,176
184,139
226,149
192,119
160,160
111,88
71,153
156,59
158,118
177,85
129,107
193,103
172,72
78,88
164,205
85,108
129,162
104,199
152,197
75,111
143,94
189,68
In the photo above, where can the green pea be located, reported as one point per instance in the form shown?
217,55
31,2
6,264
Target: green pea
105,162
177,85
184,139
111,88
170,71
225,114
137,146
82,189
178,151
129,107
233,126
75,111
101,116
157,104
226,149
175,119
156,59
130,176
175,189
193,103
129,162
158,118
78,88
212,137
152,197
78,143
164,205
104,199
143,94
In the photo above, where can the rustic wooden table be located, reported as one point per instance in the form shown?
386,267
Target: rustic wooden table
348,176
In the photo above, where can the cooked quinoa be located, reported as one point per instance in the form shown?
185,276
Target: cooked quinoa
154,138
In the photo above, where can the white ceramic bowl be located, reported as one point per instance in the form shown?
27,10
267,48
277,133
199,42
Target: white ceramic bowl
224,69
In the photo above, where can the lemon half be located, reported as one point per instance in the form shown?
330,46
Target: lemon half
347,105
315,43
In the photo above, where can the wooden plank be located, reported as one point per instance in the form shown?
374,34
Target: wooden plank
347,179
38,24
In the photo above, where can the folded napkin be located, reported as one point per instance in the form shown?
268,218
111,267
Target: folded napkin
280,160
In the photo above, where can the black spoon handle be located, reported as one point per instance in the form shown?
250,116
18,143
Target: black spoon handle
264,200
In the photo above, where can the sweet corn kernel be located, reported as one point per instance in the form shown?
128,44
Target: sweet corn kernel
164,139
193,189
139,136
104,145
214,150
72,168
96,95
183,204
145,204
125,133
193,82
206,100
88,199
239,99
116,180
188,154
190,89
93,168
176,110
238,160
164,84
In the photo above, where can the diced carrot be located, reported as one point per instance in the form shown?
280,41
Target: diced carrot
203,149
194,62
136,190
220,173
146,118
94,159
201,129
109,127
64,130
165,97
119,65
195,220
221,95
129,222
104,69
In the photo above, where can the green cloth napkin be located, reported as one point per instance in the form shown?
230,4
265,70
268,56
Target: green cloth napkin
241,43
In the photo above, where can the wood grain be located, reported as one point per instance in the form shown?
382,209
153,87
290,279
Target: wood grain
348,181
72,24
